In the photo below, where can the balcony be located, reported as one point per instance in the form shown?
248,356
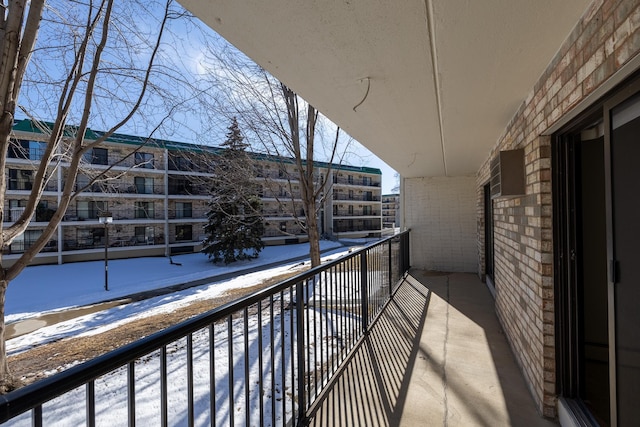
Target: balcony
360,340
192,163
114,242
435,356
356,181
187,188
188,214
141,212
355,213
112,187
357,197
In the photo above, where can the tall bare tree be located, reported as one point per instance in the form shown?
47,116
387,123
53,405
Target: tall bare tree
100,58
281,124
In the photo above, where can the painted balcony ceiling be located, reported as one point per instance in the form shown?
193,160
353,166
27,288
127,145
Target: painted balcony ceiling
427,85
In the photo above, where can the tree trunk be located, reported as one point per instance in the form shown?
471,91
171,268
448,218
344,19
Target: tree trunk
314,237
7,381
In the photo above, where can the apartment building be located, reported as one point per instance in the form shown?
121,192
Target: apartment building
157,194
390,210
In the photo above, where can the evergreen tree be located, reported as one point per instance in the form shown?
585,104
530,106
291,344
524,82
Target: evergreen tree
235,226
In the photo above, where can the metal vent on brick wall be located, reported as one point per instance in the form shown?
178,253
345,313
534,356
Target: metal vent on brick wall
507,174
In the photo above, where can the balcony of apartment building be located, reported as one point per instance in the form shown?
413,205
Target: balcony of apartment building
87,238
186,211
357,181
90,210
351,212
282,229
279,193
15,208
25,151
129,186
120,159
276,174
361,340
190,163
366,196
357,227
181,187
20,181
272,214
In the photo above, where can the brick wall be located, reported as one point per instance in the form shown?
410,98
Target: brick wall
607,37
441,214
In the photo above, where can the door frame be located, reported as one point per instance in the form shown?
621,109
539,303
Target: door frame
563,187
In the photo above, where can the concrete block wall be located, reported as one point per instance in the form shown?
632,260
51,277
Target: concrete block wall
604,41
441,215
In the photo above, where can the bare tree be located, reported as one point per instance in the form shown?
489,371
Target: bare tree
396,186
285,127
99,59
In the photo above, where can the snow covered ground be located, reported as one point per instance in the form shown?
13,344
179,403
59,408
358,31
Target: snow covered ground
46,288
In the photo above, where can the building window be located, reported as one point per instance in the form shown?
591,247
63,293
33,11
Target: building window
98,156
144,210
184,233
350,194
350,179
143,185
283,226
368,196
179,163
350,209
97,235
184,210
90,209
89,237
144,160
25,240
16,208
22,149
20,179
366,180
144,235
366,210
180,186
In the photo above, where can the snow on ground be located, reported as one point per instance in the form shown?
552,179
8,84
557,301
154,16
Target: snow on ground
41,296
47,288
333,327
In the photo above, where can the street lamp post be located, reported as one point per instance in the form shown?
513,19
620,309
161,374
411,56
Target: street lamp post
106,218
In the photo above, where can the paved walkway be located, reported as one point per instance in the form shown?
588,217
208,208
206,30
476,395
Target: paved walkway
436,357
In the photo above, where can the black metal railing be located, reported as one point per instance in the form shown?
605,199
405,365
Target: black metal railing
355,213
141,211
114,187
356,181
357,197
265,359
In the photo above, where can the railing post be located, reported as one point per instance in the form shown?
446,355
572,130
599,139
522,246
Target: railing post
390,258
404,244
300,342
365,291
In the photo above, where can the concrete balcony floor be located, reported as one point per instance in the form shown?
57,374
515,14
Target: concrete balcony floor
436,357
